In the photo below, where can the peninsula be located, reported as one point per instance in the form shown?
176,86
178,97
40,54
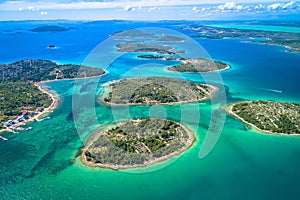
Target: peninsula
136,143
291,41
22,99
155,90
190,65
269,116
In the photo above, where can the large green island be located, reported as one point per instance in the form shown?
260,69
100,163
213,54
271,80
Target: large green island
22,99
291,41
155,90
190,65
269,116
136,143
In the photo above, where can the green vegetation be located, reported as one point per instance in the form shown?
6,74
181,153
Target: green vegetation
146,47
134,33
17,89
40,70
18,96
291,40
137,142
270,116
170,38
190,65
198,65
140,34
153,90
50,29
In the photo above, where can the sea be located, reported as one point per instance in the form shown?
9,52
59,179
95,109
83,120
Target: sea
228,160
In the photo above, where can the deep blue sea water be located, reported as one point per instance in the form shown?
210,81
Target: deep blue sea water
244,164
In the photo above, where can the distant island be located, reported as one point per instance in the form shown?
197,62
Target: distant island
170,38
146,47
50,29
269,116
133,33
291,41
155,90
141,34
51,46
23,99
191,65
136,143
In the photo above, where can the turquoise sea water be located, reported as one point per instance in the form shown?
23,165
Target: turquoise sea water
259,27
244,164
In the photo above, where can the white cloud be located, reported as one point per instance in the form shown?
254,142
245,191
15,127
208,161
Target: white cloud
138,9
138,4
231,6
32,8
44,13
288,5
274,6
259,6
227,6
239,7
153,9
195,9
127,8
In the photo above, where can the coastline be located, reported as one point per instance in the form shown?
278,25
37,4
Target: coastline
209,96
216,70
185,61
229,110
54,98
189,143
54,104
71,79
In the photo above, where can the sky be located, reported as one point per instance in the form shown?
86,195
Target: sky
149,9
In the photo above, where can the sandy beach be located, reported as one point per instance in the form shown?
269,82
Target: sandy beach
54,97
54,104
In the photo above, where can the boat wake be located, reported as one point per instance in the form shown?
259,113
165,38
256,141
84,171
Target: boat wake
271,90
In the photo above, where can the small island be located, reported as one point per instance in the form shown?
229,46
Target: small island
191,65
50,29
137,47
269,116
136,143
155,90
51,46
22,99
